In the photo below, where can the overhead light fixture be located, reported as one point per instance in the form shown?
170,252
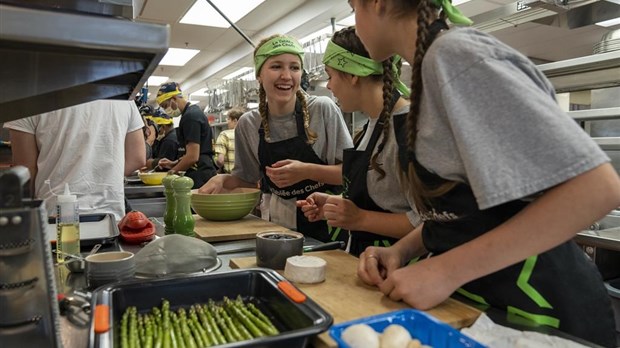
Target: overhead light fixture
609,22
202,13
156,80
237,73
178,56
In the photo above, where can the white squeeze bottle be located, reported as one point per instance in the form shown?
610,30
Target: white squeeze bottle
67,226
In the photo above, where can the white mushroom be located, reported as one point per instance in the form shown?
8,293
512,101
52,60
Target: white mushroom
360,336
395,336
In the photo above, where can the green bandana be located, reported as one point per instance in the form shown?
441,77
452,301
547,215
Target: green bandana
343,60
276,46
454,15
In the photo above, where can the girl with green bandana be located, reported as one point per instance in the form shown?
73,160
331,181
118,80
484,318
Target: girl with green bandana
293,143
372,207
502,178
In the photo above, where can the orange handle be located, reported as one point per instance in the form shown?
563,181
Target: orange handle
292,292
101,317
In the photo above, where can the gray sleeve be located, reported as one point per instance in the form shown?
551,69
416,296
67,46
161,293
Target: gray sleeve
510,134
327,119
247,167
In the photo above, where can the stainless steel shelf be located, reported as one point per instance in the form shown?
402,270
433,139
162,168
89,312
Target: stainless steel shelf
606,239
584,73
51,60
595,114
608,143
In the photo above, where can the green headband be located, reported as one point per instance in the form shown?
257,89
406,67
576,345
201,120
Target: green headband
454,15
276,46
343,60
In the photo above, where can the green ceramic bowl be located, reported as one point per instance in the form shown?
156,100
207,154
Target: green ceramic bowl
228,206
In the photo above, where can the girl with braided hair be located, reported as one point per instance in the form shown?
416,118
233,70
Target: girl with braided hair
373,207
502,178
293,143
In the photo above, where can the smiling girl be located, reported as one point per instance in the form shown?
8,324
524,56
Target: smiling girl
502,177
293,141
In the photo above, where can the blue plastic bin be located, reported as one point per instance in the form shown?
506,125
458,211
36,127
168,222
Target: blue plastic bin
420,325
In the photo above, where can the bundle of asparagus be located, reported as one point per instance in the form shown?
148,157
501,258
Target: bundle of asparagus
203,325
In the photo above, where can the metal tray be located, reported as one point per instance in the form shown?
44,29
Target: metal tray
296,321
94,229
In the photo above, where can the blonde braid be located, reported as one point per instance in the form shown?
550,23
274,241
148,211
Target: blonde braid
388,92
304,106
262,109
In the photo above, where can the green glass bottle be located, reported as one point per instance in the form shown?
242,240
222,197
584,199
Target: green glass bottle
183,220
171,205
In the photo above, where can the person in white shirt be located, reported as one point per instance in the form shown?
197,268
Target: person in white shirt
90,146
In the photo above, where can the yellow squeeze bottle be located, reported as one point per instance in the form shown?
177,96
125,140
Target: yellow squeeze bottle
67,226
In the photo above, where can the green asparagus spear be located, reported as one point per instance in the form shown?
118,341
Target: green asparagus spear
260,315
208,326
193,316
247,322
176,338
148,332
221,323
133,328
233,329
187,334
125,329
242,329
216,328
165,311
264,327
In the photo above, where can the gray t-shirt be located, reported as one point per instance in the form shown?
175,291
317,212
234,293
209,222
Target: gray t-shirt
489,118
332,138
387,193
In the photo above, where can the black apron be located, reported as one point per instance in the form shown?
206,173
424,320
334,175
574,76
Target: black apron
297,148
203,170
560,288
355,167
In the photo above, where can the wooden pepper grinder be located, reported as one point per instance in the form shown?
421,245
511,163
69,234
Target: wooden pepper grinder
183,220
171,205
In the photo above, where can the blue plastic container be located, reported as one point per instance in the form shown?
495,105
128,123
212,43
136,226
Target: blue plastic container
420,325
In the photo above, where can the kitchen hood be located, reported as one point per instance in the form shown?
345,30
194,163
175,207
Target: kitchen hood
54,59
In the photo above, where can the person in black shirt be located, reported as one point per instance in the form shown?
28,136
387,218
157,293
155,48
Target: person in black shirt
167,144
194,134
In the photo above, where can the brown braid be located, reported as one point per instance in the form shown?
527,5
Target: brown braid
418,190
304,107
262,109
388,91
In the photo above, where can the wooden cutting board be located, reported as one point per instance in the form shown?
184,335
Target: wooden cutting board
346,297
246,228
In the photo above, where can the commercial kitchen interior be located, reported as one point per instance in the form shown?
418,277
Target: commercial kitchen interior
566,33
